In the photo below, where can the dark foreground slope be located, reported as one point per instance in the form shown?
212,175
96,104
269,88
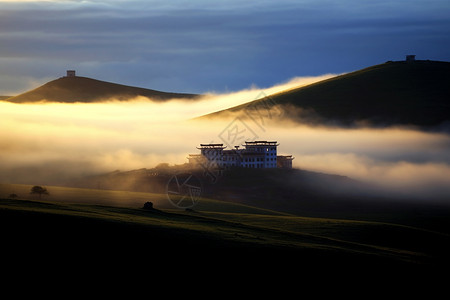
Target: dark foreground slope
83,89
73,232
404,93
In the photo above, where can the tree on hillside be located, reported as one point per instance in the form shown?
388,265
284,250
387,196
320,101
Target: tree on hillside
39,190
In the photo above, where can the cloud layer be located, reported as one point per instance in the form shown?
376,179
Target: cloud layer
52,143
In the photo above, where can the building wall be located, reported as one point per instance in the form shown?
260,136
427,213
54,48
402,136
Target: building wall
268,152
285,161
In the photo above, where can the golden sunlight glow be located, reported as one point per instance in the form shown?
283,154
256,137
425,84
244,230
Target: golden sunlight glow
86,138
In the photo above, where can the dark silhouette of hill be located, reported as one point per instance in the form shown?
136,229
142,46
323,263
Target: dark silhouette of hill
292,191
393,93
83,89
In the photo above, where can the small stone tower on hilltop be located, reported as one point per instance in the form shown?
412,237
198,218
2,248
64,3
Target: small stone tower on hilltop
410,58
70,73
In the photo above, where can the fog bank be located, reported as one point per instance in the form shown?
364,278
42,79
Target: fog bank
54,142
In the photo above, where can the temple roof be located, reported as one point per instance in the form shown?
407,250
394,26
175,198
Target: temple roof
211,146
262,143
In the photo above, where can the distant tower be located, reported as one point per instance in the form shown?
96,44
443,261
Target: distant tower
70,73
410,58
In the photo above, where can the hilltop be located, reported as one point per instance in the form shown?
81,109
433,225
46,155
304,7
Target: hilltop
83,89
394,93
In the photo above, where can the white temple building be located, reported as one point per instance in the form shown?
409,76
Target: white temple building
256,154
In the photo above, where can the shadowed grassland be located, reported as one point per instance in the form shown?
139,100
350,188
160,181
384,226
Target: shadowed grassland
87,196
214,227
129,199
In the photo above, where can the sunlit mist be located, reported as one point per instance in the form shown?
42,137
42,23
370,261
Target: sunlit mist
54,142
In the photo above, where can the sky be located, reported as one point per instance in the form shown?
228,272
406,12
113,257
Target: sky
201,46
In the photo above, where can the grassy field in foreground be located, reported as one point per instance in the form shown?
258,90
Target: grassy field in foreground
213,225
77,195
70,195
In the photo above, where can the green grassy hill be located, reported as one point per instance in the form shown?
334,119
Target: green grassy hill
414,93
117,198
291,191
83,89
82,223
71,228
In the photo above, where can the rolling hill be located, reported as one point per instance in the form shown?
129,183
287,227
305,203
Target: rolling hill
94,230
83,89
394,93
290,191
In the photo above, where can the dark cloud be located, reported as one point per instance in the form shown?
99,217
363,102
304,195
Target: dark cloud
199,46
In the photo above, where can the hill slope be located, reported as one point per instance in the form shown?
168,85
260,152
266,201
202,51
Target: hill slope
290,191
83,89
73,228
413,93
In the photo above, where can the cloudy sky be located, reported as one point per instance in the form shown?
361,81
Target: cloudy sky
200,46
